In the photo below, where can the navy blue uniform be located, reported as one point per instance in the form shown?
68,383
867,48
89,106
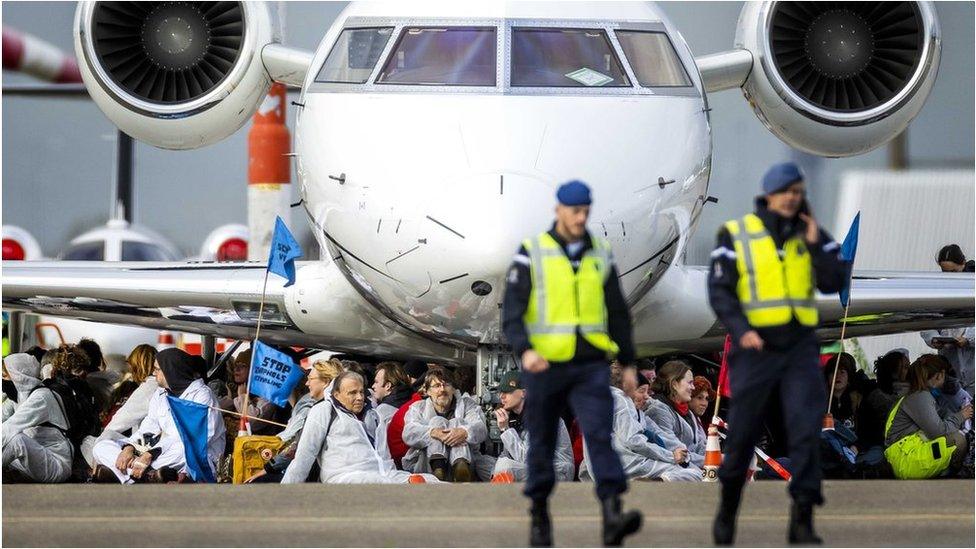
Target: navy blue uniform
582,383
788,362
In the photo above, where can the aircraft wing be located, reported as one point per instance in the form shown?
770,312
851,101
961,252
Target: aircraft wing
321,310
881,303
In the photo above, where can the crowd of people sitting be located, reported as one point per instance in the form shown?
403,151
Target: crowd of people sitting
66,417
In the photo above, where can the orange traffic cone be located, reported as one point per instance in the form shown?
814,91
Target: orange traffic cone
828,422
713,456
505,477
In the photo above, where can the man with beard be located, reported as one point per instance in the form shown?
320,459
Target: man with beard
511,464
444,431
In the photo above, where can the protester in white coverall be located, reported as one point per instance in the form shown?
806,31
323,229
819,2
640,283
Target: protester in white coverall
640,458
444,431
34,443
337,437
669,409
160,449
515,438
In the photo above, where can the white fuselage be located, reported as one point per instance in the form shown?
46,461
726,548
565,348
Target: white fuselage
440,186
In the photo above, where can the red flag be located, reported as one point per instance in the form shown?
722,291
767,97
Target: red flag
723,373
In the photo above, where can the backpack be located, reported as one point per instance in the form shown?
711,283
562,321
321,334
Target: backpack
78,407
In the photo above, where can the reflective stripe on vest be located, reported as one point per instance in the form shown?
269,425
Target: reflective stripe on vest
563,302
772,290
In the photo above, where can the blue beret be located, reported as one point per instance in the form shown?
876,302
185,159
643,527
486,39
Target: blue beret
781,176
574,193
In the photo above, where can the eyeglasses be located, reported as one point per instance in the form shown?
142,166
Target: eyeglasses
438,385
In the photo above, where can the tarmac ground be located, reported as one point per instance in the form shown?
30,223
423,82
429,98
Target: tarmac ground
858,513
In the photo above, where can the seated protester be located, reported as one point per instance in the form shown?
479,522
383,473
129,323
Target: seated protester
154,452
391,389
415,371
70,367
320,375
128,411
669,409
444,432
511,463
35,443
100,379
919,442
847,397
891,372
701,395
257,407
336,437
957,348
641,458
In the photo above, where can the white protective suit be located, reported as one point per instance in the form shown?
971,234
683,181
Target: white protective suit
158,420
342,447
678,431
962,358
641,459
421,417
515,450
126,418
38,451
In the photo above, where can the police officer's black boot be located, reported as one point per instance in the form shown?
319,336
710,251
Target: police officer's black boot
801,525
540,531
618,525
723,529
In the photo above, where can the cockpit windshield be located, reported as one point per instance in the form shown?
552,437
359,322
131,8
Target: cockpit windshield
442,56
559,57
354,55
85,251
653,59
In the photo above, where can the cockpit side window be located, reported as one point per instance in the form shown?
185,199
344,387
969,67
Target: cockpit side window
653,59
560,58
85,251
143,251
354,55
442,56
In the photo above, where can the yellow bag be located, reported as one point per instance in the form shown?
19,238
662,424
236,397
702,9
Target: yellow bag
251,453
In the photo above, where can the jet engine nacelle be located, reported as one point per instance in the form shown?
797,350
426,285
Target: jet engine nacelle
177,75
839,78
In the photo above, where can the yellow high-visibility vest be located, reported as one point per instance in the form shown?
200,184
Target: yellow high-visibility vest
563,301
772,289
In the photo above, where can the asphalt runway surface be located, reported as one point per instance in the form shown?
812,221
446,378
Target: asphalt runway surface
858,513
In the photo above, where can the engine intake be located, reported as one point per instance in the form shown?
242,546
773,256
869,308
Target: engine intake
168,52
177,75
839,78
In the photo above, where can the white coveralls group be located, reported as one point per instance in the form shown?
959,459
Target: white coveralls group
346,448
641,459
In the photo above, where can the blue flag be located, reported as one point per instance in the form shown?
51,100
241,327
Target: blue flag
191,422
847,252
284,251
273,374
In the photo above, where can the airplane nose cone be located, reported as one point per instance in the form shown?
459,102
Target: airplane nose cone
472,229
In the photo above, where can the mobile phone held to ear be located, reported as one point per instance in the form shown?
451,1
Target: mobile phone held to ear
804,207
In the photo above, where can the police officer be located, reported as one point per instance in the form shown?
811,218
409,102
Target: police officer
761,285
565,317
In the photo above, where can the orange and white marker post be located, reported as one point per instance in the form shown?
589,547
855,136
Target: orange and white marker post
713,455
268,172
